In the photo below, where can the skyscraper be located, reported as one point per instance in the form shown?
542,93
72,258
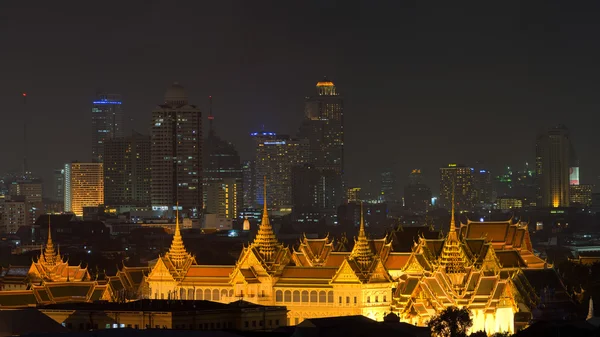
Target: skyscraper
222,176
457,178
107,122
84,186
553,160
276,155
482,186
323,127
58,185
127,170
176,136
417,195
249,183
388,187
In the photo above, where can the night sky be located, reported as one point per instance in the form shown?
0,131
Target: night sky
425,82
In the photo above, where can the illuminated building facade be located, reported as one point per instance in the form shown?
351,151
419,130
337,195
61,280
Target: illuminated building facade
14,215
176,164
107,122
276,155
457,178
249,176
581,195
127,170
353,194
84,186
508,203
30,193
553,162
489,267
323,127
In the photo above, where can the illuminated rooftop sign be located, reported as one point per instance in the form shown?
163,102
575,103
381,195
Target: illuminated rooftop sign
263,134
107,102
274,143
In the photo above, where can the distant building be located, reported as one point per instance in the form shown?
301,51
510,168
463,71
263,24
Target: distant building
311,189
14,215
388,187
457,178
223,176
127,170
58,185
353,194
323,127
107,122
482,187
84,186
30,192
176,167
249,183
595,208
581,195
276,155
553,161
415,177
508,203
417,197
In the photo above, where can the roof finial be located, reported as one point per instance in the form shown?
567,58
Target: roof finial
452,222
265,197
177,252
361,229
362,252
265,238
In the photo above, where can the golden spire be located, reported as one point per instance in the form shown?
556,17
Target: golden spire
177,252
362,252
265,238
49,254
452,222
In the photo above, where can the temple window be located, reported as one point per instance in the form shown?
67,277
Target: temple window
182,294
296,296
215,295
190,294
368,299
207,295
376,299
313,296
330,297
340,300
287,296
355,300
322,297
231,293
347,299
199,294
223,294
279,296
384,298
305,296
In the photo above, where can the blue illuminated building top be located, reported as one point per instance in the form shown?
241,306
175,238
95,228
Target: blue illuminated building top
263,133
105,101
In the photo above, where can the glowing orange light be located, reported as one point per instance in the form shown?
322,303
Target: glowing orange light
325,84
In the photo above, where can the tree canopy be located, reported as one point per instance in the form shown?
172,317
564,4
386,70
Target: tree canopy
451,322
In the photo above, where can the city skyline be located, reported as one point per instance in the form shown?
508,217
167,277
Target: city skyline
426,108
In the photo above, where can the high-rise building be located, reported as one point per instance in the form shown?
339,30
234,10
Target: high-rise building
553,161
249,183
581,194
457,178
276,155
417,197
84,186
176,168
482,187
14,215
388,187
323,127
353,194
107,122
58,185
415,177
223,176
30,193
127,170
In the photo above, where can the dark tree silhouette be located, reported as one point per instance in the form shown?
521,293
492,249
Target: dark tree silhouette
502,334
451,322
479,333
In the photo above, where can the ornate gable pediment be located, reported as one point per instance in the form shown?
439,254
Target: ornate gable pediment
379,273
345,274
160,272
413,266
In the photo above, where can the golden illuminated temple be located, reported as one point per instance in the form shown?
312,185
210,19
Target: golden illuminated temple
484,266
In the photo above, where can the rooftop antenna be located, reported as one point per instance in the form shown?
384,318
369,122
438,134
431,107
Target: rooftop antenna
24,95
210,116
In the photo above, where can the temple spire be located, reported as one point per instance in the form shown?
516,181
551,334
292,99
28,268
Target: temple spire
49,254
452,222
590,314
362,252
177,252
265,238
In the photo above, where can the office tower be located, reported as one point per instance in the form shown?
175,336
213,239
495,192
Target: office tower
323,127
30,193
58,185
223,176
573,166
353,194
84,186
176,167
249,183
457,178
581,195
14,214
482,186
388,187
276,155
415,177
417,195
553,161
127,170
107,122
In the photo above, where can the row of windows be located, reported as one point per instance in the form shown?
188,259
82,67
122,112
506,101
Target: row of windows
320,297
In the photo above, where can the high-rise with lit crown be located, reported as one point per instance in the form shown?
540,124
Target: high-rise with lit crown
176,136
84,186
107,122
553,161
323,127
458,178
